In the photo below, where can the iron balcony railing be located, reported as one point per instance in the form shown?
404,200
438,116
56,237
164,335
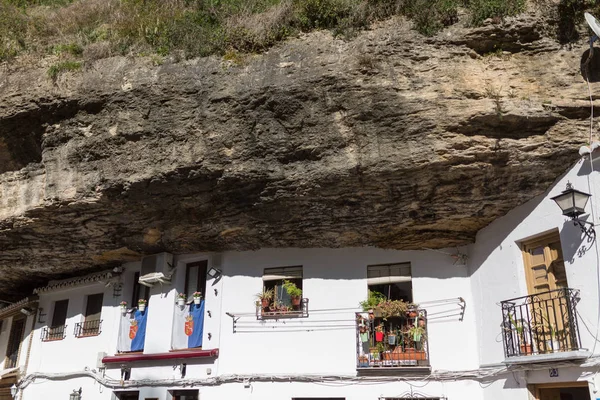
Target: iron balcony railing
392,342
542,323
280,311
54,333
88,328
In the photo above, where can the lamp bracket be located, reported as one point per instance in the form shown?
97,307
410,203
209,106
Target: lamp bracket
589,232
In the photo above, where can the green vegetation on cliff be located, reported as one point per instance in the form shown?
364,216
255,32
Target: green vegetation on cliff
94,29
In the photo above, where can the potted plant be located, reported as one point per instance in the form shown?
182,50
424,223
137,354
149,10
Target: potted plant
393,308
379,334
373,299
294,292
417,334
142,304
181,299
197,297
374,351
391,338
123,306
519,328
265,297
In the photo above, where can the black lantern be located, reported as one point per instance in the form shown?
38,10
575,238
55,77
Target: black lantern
76,395
572,202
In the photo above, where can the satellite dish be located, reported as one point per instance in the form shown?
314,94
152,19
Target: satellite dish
593,23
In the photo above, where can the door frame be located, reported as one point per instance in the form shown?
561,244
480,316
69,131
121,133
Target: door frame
534,389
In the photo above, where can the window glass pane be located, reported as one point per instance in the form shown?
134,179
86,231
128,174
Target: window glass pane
60,313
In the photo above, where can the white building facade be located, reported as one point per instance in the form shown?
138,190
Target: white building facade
513,316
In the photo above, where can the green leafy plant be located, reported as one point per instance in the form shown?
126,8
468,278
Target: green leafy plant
56,69
372,301
292,289
394,308
266,294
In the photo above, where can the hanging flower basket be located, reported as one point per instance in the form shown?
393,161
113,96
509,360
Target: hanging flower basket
392,339
142,305
364,337
197,297
123,306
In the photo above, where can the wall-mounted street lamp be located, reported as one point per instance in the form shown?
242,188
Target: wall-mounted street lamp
76,395
14,390
572,202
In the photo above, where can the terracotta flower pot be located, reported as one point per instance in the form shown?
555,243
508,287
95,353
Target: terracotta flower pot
296,301
265,303
412,314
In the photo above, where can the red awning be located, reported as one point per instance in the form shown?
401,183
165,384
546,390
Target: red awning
173,355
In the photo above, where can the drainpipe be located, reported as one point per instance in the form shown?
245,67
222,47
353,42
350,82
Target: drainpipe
35,313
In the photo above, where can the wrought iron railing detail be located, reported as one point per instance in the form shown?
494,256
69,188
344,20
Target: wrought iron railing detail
392,342
88,328
542,323
54,333
278,312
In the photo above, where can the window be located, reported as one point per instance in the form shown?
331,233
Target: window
91,324
139,291
394,281
185,394
544,264
129,395
195,278
14,342
274,278
56,331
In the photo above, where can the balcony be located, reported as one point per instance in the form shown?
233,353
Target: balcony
50,334
88,328
397,342
542,327
279,311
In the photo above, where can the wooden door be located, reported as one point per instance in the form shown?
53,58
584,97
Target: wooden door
545,272
14,342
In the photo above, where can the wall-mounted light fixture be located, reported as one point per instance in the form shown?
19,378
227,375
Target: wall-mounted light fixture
76,395
572,202
27,311
214,272
13,390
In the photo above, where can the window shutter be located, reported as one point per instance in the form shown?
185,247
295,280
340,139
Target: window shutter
93,308
389,273
277,274
60,313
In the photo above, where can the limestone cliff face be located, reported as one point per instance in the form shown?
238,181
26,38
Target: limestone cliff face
390,140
